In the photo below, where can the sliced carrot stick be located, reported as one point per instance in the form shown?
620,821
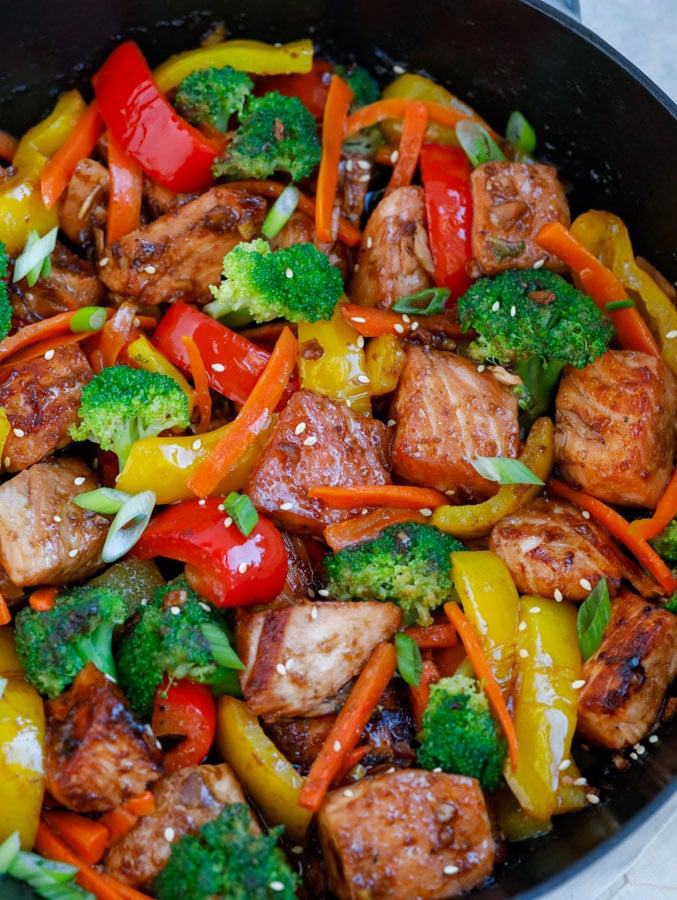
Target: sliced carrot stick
349,724
8,145
117,332
202,397
428,637
87,837
46,329
333,129
104,886
42,347
123,818
665,512
5,614
396,107
420,694
351,760
126,188
616,525
370,321
251,419
42,599
402,496
480,664
601,284
365,528
78,145
413,131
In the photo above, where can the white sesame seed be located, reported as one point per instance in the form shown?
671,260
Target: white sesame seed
104,261
242,568
288,273
356,267
522,626
369,243
364,178
495,306
337,746
291,662
49,354
653,738
348,793
406,318
313,612
585,514
513,311
564,765
579,782
578,684
221,507
394,156
426,511
359,319
535,609
451,870
363,512
641,749
437,770
7,461
414,325
671,334
360,341
174,610
205,606
399,329
558,595
363,379
197,444
228,521
585,584
202,502
363,164
19,432
634,756
310,441
56,519
149,270
79,480
539,264
481,367
592,798
391,423
323,592
169,834
218,367
399,70
300,428
297,849
276,886
349,165
524,654
281,669
286,506
73,553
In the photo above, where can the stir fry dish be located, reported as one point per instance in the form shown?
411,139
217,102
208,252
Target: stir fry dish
338,511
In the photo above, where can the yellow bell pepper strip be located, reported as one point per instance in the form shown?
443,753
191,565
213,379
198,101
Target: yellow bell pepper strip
607,238
4,430
22,740
146,356
491,603
384,359
165,464
549,665
331,362
247,56
266,775
22,209
477,520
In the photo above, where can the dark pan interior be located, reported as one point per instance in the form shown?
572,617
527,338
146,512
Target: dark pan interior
611,132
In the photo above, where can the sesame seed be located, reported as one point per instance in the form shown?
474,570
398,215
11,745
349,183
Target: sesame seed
169,834
291,662
49,355
349,165
313,612
73,553
414,325
242,568
356,267
495,306
300,428
348,793
564,765
276,886
363,379
369,243
522,626
398,328
364,178
360,341
481,367
671,334
310,441
394,156
437,771
202,502
359,319
197,444
524,654
19,432
205,606
280,667
585,514
391,423
218,367
535,609
578,684
592,798
653,738
641,749
558,595
323,592
288,273
579,782
451,870
149,270
286,506
399,70
337,746
426,511
174,610
7,461
634,756
104,261
406,318
56,519
228,521
513,311
297,849
539,264
363,164
79,480
221,507
311,593
363,512
585,584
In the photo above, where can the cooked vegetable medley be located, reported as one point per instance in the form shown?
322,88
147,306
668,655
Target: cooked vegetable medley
337,494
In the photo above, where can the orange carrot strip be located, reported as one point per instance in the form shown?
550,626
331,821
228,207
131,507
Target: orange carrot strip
665,512
104,886
402,496
8,145
78,145
39,331
5,614
428,637
202,397
352,759
601,284
42,599
123,818
252,417
43,347
333,129
365,528
396,107
346,231
349,724
117,332
616,525
484,674
420,694
87,837
369,321
126,188
413,131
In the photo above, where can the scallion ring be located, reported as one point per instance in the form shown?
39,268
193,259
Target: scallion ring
128,525
503,470
33,262
409,661
429,302
593,616
520,133
280,212
242,511
89,318
106,501
478,144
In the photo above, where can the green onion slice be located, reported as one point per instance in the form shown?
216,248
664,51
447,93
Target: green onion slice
430,302
218,641
9,849
280,212
619,304
34,262
478,144
520,133
128,525
409,662
503,470
593,616
89,318
242,511
103,500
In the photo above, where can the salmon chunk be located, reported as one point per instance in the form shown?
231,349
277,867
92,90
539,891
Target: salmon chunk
447,413
41,398
627,677
297,657
318,441
512,201
406,834
615,427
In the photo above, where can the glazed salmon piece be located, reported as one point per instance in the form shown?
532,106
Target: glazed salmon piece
615,427
407,834
447,411
627,677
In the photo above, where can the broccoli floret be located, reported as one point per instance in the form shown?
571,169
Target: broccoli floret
180,635
297,283
363,85
276,134
406,564
226,861
122,405
5,305
459,735
665,544
212,96
55,645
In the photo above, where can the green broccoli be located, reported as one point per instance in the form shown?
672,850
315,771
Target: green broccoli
276,134
459,735
180,635
406,564
226,861
297,283
121,405
665,544
212,96
5,306
362,83
55,645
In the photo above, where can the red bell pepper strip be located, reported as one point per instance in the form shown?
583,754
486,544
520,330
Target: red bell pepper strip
222,564
445,172
233,363
185,708
126,188
310,87
148,128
